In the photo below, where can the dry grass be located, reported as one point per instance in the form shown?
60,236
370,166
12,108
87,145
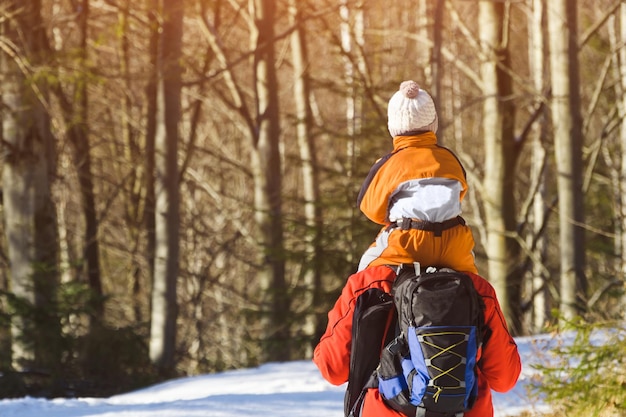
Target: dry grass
609,412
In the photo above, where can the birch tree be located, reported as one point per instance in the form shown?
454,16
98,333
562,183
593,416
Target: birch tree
352,45
437,62
167,218
567,125
501,151
311,274
150,134
537,242
267,174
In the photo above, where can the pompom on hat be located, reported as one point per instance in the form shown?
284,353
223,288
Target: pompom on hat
411,109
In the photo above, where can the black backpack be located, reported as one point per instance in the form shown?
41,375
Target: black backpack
431,329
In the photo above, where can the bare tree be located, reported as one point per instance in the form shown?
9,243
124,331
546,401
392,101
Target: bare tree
351,28
566,119
260,125
537,242
132,171
311,274
167,218
622,135
618,40
501,151
75,114
266,168
437,61
150,134
28,167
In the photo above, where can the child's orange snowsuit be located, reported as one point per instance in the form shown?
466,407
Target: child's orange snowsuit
416,194
498,361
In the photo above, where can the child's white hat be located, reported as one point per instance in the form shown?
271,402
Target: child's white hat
410,110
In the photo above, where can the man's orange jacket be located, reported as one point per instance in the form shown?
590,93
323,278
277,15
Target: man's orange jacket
499,361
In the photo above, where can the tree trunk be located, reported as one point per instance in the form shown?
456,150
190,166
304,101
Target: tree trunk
537,243
437,64
500,161
29,213
566,118
133,153
75,113
351,33
622,136
149,160
267,173
79,136
167,220
311,275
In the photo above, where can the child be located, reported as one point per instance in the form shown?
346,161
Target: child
416,192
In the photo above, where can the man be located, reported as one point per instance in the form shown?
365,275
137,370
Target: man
498,361
416,193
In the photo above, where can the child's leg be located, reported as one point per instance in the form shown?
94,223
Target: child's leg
375,250
457,249
453,249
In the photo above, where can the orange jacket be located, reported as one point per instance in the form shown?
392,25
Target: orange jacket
415,157
499,361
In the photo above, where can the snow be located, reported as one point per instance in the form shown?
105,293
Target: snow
290,389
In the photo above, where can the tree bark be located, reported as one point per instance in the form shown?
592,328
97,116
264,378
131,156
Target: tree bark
79,136
267,173
167,216
150,137
75,114
566,119
617,42
311,275
437,64
500,161
351,35
133,153
28,167
538,61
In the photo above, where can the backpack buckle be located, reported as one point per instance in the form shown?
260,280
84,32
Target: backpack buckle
405,224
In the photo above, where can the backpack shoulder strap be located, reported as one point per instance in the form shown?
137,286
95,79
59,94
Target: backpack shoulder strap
374,314
404,272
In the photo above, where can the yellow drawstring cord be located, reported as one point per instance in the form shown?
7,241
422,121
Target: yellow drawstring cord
436,395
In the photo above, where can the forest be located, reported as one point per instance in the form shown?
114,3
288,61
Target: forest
179,177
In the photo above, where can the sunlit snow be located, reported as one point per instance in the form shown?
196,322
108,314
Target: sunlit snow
291,389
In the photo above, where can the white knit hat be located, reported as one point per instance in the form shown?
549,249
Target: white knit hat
411,109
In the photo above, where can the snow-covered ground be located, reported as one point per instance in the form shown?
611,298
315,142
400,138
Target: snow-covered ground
292,389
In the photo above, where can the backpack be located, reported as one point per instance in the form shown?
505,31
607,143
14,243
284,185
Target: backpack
373,322
428,364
